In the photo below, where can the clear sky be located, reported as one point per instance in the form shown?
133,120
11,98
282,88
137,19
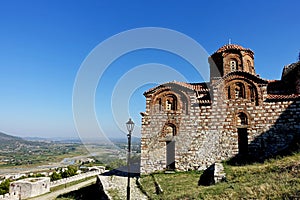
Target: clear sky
43,43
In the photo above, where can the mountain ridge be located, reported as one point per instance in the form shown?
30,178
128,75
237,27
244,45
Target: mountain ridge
6,137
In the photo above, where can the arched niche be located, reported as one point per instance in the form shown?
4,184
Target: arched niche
170,101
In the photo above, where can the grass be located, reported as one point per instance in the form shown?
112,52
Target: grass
114,194
275,179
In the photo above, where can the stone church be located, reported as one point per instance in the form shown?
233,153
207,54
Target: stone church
189,126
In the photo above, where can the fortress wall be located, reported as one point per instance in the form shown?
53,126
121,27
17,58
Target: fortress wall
76,178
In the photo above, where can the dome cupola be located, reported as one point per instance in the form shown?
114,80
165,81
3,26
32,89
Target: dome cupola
230,58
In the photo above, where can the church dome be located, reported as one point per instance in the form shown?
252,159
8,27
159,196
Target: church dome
232,47
229,58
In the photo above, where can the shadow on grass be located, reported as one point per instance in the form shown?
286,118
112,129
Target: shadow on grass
122,171
86,193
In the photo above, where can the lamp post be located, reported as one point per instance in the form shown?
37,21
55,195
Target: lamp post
130,126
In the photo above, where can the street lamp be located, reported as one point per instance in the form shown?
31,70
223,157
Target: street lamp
130,126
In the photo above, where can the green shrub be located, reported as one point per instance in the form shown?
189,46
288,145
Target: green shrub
4,187
55,176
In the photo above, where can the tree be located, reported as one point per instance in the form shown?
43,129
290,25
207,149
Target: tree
4,187
55,176
71,171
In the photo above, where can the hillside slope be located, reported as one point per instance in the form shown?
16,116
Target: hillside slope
17,151
275,179
4,137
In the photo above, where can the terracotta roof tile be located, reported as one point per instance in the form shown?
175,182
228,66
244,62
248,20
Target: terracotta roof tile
201,87
231,46
192,86
283,96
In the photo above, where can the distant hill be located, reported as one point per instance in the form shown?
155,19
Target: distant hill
4,138
15,151
9,143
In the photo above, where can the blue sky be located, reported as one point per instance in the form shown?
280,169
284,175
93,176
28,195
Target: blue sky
44,43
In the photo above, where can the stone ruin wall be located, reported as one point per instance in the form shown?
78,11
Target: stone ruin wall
30,187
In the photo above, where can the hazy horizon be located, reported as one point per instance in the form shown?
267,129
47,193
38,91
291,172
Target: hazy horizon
44,45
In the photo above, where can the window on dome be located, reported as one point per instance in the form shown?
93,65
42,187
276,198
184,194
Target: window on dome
249,66
233,65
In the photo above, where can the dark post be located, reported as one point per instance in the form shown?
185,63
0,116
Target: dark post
130,126
128,166
20,195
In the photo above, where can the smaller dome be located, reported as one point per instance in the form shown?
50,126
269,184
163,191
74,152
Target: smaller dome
232,47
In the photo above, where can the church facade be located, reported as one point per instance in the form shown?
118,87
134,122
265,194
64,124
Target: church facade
189,126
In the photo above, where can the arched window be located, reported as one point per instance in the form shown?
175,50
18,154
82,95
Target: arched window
239,91
170,102
159,104
168,105
169,131
249,64
252,94
242,119
233,65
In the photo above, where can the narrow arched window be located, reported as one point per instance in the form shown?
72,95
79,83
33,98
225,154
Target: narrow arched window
171,102
252,94
159,104
169,131
239,90
233,65
168,105
242,119
249,66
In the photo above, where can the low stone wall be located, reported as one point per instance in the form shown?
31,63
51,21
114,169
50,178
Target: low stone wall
119,185
10,196
75,178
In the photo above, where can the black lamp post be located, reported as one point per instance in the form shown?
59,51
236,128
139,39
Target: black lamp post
130,126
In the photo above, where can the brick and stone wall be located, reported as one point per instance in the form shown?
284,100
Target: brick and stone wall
209,133
229,116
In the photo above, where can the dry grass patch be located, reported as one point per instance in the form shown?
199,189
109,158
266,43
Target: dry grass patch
275,179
